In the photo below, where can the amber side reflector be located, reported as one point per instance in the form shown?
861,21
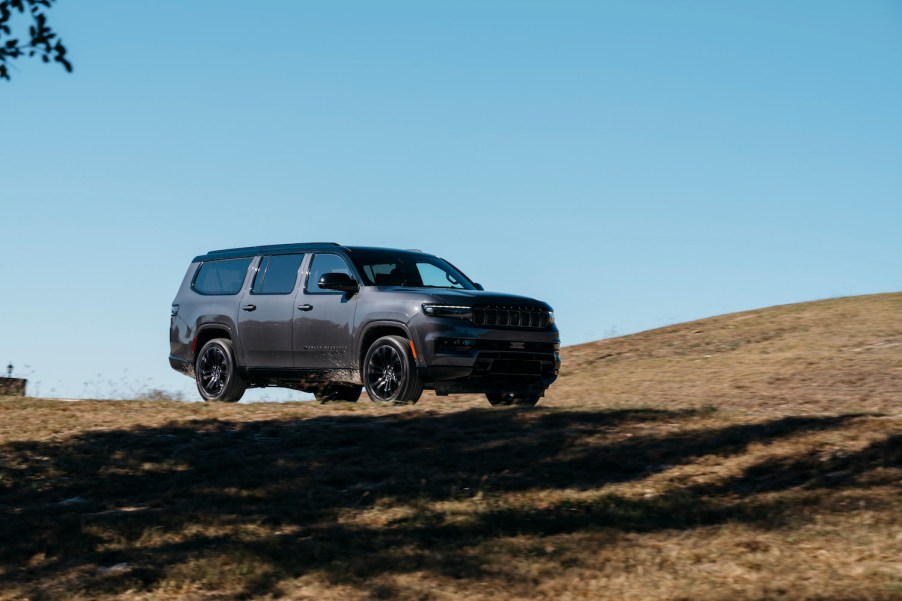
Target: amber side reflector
413,350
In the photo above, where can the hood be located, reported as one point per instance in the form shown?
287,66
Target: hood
470,297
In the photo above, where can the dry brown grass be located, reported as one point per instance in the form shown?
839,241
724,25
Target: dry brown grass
842,354
769,469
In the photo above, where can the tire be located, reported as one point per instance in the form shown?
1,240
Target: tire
521,399
216,372
389,372
338,392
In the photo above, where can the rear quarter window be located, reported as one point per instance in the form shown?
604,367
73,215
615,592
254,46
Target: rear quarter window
221,277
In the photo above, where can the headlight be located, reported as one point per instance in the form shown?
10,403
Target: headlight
550,317
458,311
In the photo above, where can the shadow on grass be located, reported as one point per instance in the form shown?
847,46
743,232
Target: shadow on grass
267,498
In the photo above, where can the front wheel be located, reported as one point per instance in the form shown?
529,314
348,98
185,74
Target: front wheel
389,372
216,372
526,399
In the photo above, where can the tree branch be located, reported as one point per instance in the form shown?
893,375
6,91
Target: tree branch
41,40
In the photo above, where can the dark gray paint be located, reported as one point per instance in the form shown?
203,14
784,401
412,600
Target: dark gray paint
265,332
323,336
284,345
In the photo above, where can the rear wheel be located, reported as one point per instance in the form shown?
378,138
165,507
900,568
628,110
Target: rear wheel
338,392
389,372
216,372
526,399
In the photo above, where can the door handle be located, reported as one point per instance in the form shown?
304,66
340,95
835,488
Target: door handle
249,307
305,307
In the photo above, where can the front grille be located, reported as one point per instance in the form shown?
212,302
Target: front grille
520,368
510,317
445,345
519,364
518,356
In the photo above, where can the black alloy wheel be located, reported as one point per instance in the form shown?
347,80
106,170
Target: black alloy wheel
522,399
389,372
216,372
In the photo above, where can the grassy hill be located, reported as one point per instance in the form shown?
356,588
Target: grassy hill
749,456
842,354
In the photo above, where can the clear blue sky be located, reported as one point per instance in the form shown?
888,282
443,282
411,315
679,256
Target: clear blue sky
633,163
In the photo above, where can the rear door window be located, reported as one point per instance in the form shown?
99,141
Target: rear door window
277,274
221,277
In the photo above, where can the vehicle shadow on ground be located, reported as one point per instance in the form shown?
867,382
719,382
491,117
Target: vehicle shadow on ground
276,495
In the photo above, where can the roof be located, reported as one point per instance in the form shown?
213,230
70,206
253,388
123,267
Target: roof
269,249
283,249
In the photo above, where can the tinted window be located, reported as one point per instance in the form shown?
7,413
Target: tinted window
323,264
377,272
387,267
221,277
257,287
434,276
277,274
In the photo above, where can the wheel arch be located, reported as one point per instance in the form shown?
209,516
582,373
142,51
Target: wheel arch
375,331
208,332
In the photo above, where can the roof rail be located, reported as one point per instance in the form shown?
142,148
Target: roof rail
249,251
270,247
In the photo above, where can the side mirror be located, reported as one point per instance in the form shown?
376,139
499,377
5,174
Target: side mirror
338,281
478,286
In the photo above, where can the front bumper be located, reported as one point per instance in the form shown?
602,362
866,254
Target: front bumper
484,384
488,360
492,372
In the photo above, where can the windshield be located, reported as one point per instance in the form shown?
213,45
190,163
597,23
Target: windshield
383,267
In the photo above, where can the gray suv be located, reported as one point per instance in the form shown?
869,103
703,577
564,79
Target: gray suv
331,319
